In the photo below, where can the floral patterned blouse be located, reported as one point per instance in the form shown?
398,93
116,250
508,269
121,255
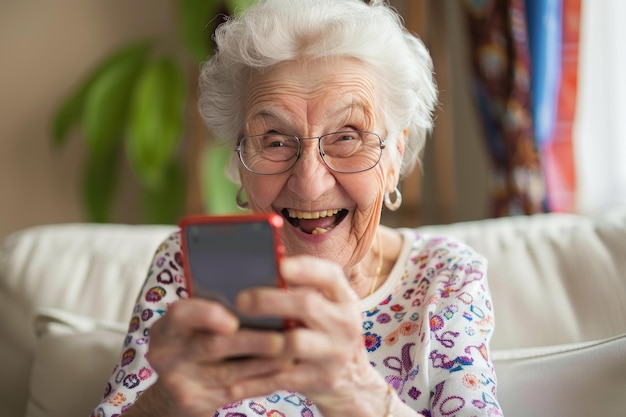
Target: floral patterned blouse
426,331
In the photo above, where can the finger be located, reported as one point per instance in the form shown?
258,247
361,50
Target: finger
208,347
323,275
306,345
187,316
301,305
210,384
262,384
321,382
231,371
299,376
209,350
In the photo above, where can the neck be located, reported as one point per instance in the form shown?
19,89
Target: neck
382,256
368,275
379,265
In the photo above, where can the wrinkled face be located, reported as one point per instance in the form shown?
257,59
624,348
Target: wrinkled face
330,215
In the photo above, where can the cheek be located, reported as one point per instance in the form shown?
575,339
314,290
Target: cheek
368,214
363,234
261,191
369,193
369,199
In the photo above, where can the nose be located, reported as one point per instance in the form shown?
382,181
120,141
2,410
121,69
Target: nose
310,178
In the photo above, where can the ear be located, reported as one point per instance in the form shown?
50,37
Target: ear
393,171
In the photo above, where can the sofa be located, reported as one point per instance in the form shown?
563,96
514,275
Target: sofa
558,283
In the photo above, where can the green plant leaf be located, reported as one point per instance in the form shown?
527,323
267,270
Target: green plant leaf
68,115
218,191
70,112
107,101
98,185
165,204
195,26
238,6
156,120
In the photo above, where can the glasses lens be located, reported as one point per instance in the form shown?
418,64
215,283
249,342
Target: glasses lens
351,151
346,152
268,154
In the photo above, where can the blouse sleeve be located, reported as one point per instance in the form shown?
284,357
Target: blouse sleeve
460,314
133,374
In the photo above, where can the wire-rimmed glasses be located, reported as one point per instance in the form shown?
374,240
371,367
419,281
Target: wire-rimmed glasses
345,152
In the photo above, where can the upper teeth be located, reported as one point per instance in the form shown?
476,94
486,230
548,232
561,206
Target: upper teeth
299,214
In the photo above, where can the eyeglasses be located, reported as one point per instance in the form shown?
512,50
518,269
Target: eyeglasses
344,152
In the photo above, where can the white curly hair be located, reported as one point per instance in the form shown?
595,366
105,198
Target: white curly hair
274,31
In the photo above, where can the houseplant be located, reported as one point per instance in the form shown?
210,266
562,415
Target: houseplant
131,108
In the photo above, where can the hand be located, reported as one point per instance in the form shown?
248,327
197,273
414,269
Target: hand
192,346
330,364
191,349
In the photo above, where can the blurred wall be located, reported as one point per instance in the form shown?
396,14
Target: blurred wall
466,156
469,151
46,48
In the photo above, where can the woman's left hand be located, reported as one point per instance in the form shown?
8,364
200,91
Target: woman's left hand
329,362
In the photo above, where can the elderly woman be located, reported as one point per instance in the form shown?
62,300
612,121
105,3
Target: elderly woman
327,103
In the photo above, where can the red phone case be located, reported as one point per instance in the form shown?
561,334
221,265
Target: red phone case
273,219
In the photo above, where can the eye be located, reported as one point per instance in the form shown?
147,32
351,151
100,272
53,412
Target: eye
274,140
347,136
278,142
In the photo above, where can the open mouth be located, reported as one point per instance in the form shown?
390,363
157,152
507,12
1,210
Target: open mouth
314,222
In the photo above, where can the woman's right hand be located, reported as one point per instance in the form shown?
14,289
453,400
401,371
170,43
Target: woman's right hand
192,349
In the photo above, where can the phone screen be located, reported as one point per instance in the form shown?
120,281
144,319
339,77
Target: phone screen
223,258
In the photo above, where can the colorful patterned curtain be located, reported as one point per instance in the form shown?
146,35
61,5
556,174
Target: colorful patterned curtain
554,38
502,66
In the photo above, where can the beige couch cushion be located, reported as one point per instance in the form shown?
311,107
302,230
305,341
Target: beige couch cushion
573,380
555,279
73,354
93,270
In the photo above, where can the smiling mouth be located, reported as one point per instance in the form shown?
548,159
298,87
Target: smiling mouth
314,222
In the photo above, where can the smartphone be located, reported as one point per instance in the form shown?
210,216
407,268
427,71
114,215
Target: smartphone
223,255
